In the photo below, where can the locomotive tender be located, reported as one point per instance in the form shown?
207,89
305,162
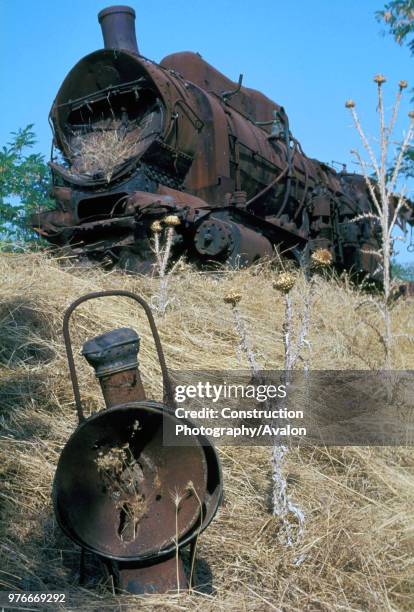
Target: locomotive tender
138,140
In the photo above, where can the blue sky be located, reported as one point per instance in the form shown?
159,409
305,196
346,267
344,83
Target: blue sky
308,56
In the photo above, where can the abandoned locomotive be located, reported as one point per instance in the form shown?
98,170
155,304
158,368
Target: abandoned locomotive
136,141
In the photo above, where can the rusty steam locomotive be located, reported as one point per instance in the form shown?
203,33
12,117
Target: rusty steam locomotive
135,141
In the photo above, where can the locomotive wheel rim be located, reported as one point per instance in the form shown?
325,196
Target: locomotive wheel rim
209,494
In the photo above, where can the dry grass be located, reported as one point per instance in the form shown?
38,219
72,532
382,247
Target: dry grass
358,542
101,151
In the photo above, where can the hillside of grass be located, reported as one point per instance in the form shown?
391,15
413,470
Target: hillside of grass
358,543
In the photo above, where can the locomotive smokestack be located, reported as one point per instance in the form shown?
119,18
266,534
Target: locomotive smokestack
118,28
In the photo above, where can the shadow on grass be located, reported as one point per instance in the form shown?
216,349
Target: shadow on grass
24,333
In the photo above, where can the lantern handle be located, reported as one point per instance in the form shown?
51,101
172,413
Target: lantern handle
168,397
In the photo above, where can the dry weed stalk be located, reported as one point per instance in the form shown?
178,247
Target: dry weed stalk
162,257
117,469
387,204
244,346
177,498
283,507
192,490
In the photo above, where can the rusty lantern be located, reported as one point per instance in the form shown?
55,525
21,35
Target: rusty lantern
119,491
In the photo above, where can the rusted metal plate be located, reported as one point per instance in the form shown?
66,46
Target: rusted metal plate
164,577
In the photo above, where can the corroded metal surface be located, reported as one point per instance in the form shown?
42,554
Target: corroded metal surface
94,511
190,141
114,358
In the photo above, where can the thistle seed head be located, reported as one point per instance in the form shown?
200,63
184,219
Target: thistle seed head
156,227
171,220
284,282
321,258
379,79
232,298
349,104
403,84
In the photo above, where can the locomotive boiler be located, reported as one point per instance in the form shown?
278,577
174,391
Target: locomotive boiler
135,141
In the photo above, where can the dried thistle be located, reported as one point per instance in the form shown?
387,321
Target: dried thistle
162,256
284,282
384,207
283,507
171,220
350,104
156,227
321,258
232,298
403,84
379,79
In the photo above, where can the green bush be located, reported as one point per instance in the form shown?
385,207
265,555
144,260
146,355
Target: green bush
24,188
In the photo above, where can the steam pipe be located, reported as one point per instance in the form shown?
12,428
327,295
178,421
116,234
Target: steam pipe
118,28
114,357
